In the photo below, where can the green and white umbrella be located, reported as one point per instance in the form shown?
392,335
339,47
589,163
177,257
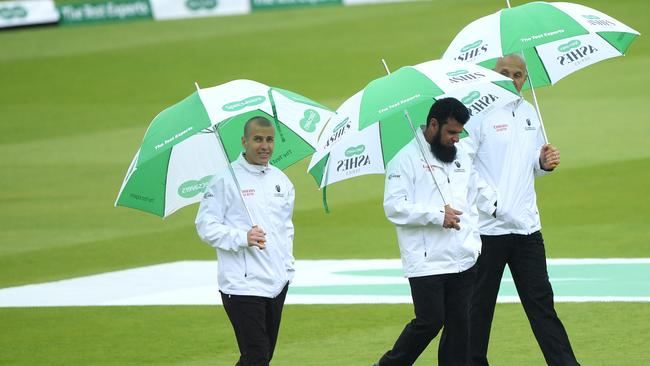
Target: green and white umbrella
556,39
373,125
189,142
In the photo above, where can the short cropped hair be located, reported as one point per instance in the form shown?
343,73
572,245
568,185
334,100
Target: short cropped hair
257,120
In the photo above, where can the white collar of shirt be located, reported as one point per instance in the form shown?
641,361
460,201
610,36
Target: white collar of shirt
515,104
251,168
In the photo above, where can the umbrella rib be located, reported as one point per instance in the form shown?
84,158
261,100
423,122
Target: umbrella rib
164,196
381,146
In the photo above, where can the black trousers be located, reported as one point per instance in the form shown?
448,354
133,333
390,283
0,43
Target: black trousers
439,301
256,321
526,257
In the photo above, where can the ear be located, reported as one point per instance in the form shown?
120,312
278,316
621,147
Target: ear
243,141
433,124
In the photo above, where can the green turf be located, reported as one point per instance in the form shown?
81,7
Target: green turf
311,335
74,105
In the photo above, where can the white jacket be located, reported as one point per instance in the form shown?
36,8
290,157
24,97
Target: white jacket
223,223
412,202
507,158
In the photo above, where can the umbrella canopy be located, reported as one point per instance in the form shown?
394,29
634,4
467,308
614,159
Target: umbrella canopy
189,142
371,127
556,39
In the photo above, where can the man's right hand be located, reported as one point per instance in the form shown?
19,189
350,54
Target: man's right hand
256,237
451,218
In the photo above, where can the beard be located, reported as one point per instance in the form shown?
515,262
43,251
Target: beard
444,153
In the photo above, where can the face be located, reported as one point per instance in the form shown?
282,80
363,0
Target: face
259,144
443,138
514,68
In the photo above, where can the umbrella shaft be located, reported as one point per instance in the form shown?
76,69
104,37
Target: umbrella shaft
539,114
232,174
424,155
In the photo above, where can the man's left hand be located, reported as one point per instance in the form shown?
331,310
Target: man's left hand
549,157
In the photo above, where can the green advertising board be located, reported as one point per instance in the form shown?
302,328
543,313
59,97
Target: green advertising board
114,10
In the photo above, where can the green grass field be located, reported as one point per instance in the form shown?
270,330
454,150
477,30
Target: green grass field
75,102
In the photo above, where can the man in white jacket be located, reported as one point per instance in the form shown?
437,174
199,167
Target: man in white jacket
438,238
255,258
510,153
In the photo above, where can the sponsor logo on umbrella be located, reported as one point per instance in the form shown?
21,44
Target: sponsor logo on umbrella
338,131
457,72
472,50
569,46
574,51
477,103
355,150
542,35
192,188
399,103
354,162
201,4
140,197
309,121
460,76
595,20
239,105
471,46
355,159
13,12
471,97
343,123
173,138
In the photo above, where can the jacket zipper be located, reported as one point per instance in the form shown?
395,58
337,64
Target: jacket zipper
245,264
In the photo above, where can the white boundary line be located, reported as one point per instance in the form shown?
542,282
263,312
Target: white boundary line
194,283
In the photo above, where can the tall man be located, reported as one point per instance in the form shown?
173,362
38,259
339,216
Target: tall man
255,261
510,153
439,242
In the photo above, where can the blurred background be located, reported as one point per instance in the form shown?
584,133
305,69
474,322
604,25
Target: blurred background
77,97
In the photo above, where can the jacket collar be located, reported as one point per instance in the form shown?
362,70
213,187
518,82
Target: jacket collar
515,104
251,168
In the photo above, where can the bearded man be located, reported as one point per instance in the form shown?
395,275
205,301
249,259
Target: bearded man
431,196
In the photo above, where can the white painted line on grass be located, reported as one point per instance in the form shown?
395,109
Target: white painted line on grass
317,282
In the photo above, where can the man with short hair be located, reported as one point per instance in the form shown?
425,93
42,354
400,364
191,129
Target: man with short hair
510,153
255,259
438,238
